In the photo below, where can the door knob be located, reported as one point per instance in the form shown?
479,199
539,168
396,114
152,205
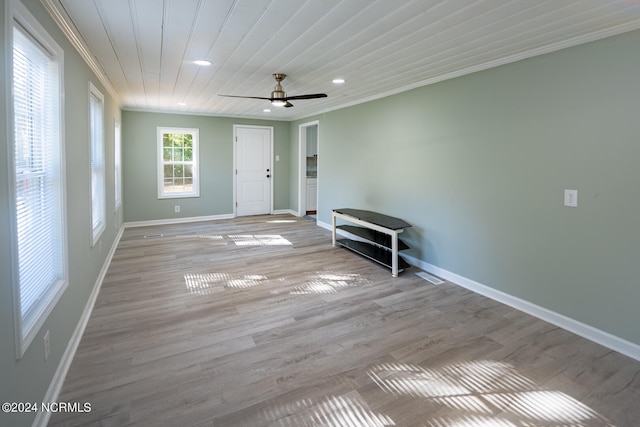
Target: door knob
268,176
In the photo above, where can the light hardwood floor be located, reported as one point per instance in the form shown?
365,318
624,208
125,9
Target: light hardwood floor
259,321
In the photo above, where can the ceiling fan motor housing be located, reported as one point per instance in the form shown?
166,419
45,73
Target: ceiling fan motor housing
278,93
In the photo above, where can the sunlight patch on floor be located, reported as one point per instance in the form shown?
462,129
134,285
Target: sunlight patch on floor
259,240
474,421
487,390
240,239
210,236
328,283
209,283
347,410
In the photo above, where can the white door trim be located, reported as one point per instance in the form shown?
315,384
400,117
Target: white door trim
302,162
235,164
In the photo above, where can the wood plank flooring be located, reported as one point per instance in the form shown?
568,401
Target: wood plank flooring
259,321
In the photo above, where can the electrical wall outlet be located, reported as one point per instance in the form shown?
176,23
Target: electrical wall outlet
571,198
176,208
47,345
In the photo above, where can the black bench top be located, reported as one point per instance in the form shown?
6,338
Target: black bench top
376,218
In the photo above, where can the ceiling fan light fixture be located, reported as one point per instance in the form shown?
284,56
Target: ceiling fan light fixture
278,103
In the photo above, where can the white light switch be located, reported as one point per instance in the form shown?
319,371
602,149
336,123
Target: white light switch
277,158
571,198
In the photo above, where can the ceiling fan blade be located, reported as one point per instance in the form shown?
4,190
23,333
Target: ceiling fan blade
309,96
288,104
249,97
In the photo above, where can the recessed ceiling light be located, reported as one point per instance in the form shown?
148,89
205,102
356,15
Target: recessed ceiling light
202,62
182,104
338,81
266,110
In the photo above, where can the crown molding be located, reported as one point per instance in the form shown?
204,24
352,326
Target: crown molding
542,50
61,18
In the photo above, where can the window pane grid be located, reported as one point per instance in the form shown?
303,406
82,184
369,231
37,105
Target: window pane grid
178,163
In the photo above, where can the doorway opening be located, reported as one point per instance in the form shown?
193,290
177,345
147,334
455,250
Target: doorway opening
309,148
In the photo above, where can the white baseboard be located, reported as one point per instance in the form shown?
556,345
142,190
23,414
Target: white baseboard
285,211
177,220
326,225
606,339
42,418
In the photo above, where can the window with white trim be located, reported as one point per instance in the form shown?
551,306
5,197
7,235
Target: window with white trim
117,164
37,175
178,163
98,180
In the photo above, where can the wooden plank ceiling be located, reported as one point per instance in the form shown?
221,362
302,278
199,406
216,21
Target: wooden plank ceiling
144,49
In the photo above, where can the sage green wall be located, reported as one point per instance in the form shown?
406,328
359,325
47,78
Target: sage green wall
478,165
139,130
27,379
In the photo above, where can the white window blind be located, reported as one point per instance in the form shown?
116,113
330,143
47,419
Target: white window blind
117,164
39,182
98,181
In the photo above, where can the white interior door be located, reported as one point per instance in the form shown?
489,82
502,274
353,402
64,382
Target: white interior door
253,170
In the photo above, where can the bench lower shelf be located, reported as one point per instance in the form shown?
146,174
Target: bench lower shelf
373,236
374,253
